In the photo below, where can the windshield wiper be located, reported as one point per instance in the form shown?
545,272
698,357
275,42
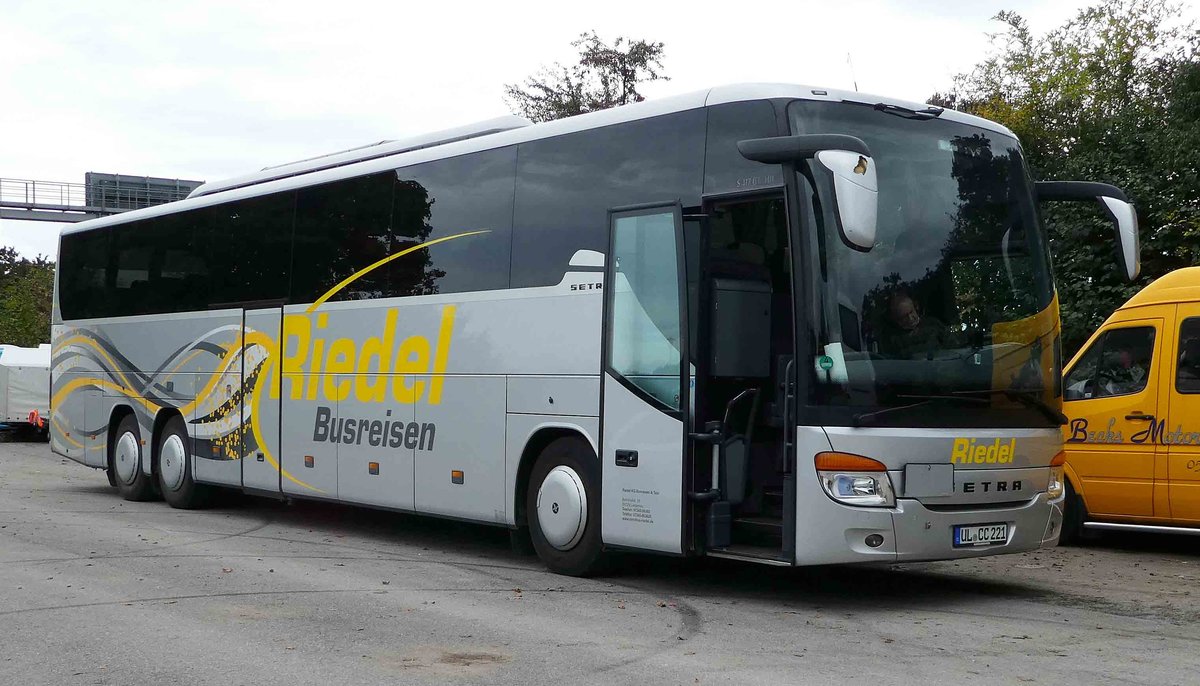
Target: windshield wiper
909,113
1025,398
865,418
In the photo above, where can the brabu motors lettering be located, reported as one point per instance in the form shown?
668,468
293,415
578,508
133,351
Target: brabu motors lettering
1156,433
970,451
331,370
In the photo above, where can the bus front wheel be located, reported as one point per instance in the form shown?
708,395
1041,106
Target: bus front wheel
125,461
563,507
173,465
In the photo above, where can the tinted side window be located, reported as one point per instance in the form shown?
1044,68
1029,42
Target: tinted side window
1120,365
341,228
155,268
725,170
1187,371
567,184
82,275
468,201
247,245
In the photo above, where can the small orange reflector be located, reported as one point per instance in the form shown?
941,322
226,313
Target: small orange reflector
456,476
373,467
1060,459
831,461
309,460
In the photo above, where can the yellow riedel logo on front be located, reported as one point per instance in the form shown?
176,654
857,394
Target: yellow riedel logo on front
971,451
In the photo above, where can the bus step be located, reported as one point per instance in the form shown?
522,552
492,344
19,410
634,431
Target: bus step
758,530
772,502
750,553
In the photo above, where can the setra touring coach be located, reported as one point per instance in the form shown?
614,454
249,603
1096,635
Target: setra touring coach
775,323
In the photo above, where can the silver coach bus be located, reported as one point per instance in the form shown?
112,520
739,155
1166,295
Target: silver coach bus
775,323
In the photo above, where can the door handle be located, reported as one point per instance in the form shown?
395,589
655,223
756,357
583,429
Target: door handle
627,458
1137,416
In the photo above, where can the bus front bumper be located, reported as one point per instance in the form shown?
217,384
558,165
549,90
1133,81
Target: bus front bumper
925,534
832,533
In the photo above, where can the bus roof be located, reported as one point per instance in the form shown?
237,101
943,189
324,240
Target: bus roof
1181,285
493,133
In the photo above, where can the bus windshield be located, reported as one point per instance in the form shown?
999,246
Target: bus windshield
950,319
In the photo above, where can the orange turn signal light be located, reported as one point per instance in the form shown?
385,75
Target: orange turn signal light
833,461
1060,459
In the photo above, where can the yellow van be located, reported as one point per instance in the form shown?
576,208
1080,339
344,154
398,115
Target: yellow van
1132,395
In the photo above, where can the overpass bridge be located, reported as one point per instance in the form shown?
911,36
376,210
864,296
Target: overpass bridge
99,195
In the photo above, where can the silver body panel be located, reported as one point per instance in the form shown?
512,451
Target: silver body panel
373,402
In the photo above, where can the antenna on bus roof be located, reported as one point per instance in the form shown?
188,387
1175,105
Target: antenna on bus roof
853,78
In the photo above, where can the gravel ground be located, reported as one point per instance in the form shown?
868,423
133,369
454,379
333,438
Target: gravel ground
96,590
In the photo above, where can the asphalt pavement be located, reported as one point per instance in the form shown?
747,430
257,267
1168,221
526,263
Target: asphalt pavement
96,590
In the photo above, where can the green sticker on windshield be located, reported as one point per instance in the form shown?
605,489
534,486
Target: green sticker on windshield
825,362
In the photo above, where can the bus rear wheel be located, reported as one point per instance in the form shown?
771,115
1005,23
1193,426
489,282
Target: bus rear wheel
562,504
125,461
173,465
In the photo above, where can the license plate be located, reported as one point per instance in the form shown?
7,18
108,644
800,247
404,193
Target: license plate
980,534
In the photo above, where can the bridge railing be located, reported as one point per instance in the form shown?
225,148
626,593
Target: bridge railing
47,194
105,196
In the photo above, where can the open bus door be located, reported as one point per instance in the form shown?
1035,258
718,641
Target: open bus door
645,395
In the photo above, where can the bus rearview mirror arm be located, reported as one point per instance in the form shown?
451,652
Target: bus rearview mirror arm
1115,204
848,159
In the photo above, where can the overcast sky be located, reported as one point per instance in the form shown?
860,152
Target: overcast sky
216,89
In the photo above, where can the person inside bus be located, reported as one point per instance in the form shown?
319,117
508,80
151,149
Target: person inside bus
906,332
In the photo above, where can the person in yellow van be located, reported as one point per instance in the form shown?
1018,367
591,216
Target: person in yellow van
1132,395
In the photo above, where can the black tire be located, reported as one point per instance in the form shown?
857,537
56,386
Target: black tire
179,491
135,486
1074,514
586,557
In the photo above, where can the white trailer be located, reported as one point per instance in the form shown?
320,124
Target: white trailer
25,386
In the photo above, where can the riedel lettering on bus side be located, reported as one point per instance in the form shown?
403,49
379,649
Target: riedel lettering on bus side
332,369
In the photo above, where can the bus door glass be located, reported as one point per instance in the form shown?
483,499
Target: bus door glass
260,398
1182,428
645,397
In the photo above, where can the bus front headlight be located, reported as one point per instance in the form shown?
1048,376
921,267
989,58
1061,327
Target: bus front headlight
1057,485
855,480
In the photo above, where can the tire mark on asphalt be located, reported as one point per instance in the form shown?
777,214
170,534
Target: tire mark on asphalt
310,591
266,521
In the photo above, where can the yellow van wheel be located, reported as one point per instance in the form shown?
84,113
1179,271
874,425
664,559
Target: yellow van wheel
1074,514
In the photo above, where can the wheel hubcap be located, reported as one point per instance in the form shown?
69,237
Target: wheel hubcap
562,508
125,458
171,462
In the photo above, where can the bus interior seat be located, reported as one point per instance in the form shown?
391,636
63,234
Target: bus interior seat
735,467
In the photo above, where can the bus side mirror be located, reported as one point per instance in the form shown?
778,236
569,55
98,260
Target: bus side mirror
848,159
1115,204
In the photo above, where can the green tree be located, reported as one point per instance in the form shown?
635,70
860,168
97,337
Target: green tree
1112,95
26,291
605,76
